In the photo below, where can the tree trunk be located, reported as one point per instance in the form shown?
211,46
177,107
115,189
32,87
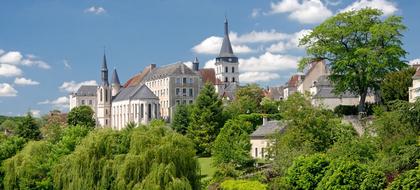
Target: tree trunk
362,102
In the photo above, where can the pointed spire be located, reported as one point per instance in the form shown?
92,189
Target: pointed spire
196,60
196,64
115,78
104,71
226,50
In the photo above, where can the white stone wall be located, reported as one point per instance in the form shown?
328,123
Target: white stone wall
103,112
414,91
82,100
259,148
136,111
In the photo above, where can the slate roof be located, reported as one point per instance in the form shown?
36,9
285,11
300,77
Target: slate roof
275,93
87,90
226,49
417,74
269,128
169,70
115,78
139,92
294,80
326,90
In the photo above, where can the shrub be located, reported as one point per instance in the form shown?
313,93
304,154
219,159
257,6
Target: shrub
242,185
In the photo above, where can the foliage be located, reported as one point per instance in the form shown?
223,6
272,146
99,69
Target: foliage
206,120
232,145
181,119
346,110
408,180
9,146
28,128
351,175
247,100
141,158
8,125
242,185
361,48
307,171
81,115
394,86
269,106
362,150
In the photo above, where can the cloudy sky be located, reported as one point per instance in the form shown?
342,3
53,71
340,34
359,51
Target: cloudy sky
49,48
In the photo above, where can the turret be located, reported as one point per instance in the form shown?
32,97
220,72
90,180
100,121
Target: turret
116,85
104,72
196,64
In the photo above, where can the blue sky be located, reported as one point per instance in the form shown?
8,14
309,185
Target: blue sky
48,48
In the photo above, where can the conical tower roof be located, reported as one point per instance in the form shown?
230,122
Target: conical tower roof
115,78
226,50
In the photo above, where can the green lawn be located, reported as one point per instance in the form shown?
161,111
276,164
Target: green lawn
207,170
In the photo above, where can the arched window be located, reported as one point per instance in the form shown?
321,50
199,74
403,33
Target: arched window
233,79
233,69
100,95
106,95
226,79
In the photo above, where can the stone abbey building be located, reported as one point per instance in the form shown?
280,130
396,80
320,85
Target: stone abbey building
154,92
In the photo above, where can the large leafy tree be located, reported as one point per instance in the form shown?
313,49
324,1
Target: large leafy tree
206,120
28,128
81,115
395,85
247,100
232,145
361,48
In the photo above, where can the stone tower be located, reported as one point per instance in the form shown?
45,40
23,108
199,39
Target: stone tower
227,63
104,95
116,85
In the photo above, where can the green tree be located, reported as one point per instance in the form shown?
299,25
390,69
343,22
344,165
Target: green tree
394,86
206,120
232,145
247,100
28,128
307,171
407,180
242,185
181,119
81,115
361,48
8,125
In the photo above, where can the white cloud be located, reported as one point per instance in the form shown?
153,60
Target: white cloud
212,45
268,62
16,58
35,113
7,90
23,81
7,70
253,77
307,12
210,64
72,86
258,37
11,57
60,103
415,62
385,6
97,10
66,64
1,51
255,13
290,43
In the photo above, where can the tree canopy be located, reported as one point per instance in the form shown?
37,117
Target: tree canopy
361,48
81,115
395,85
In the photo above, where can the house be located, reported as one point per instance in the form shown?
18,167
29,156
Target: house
260,138
292,85
316,69
274,93
414,91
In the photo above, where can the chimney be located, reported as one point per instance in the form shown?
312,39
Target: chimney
151,67
265,120
196,64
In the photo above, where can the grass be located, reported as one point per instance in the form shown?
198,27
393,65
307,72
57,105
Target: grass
207,169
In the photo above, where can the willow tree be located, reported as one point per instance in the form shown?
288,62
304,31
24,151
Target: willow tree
361,47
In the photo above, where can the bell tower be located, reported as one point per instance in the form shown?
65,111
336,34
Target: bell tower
104,95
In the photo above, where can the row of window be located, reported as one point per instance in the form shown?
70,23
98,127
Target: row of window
178,92
162,92
183,102
159,82
185,80
219,69
227,79
262,152
135,108
106,95
90,102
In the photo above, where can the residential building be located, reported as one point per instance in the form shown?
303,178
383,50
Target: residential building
261,137
414,90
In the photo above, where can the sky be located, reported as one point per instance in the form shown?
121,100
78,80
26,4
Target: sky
48,48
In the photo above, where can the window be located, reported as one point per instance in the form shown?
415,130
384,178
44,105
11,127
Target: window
191,80
100,95
226,69
90,102
226,79
233,79
156,110
177,91
256,152
178,80
184,92
106,111
184,101
190,92
106,121
191,101
149,111
83,102
141,111
106,95
177,102
184,80
262,152
233,69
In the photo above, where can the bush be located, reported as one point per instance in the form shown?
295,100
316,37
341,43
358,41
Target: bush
242,185
353,109
307,172
408,180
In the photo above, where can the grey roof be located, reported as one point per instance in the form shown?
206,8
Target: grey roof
169,70
276,93
195,60
139,92
104,72
269,128
326,90
115,79
87,90
226,50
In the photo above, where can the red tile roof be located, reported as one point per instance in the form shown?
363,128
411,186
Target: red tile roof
208,75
